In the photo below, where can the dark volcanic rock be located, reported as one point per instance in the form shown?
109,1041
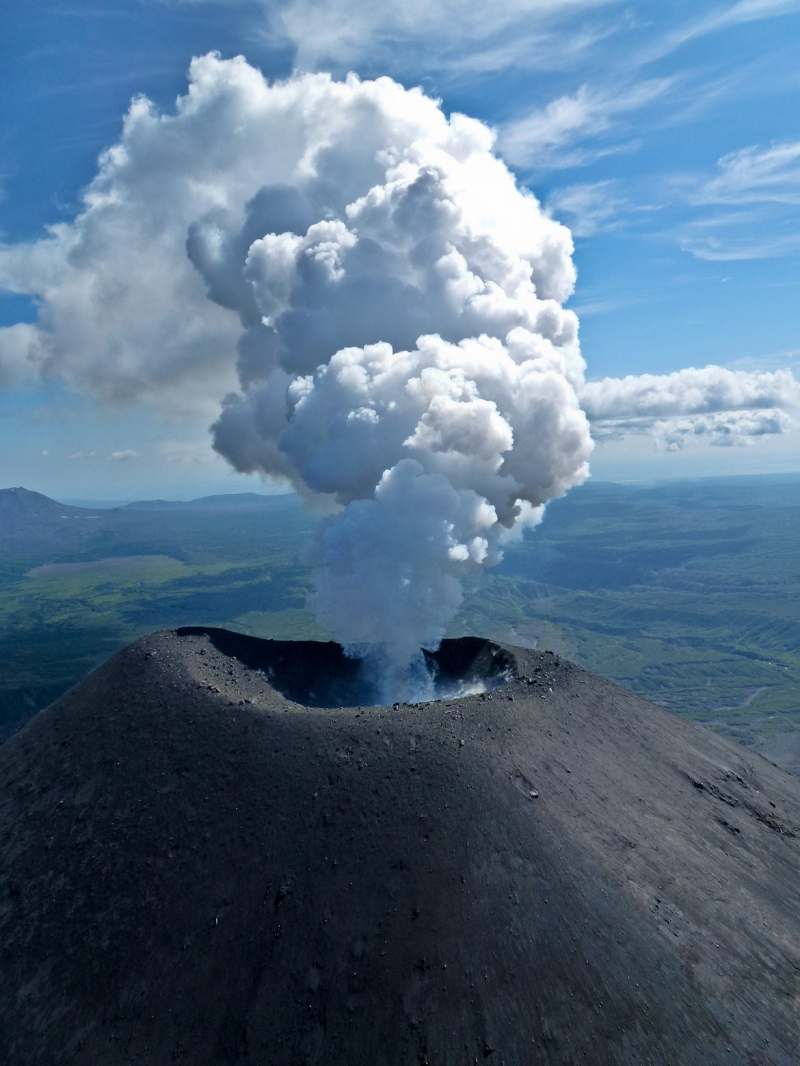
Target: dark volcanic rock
194,868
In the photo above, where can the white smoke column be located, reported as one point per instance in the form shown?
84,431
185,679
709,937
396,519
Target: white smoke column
405,359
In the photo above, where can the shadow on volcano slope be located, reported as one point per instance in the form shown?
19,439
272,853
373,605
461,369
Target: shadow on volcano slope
196,867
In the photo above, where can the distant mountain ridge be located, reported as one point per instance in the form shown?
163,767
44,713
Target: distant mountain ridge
24,513
28,518
234,501
36,530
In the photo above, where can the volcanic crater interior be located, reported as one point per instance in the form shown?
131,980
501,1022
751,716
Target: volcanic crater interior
320,673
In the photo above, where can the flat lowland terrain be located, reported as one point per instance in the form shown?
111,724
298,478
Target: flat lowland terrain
77,585
688,593
203,861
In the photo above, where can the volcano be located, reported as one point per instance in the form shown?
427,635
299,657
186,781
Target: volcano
214,851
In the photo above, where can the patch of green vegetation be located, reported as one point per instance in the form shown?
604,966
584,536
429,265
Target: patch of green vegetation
69,601
292,624
686,593
41,663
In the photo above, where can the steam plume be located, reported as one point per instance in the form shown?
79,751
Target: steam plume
405,357
386,305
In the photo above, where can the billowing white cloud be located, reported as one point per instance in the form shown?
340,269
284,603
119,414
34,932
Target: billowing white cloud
689,391
722,406
501,418
405,355
723,429
124,313
389,298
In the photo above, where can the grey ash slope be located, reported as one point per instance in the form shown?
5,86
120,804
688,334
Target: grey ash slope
195,868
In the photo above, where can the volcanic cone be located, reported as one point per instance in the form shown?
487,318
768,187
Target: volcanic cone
208,859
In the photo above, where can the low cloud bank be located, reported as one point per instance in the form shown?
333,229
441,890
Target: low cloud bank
725,406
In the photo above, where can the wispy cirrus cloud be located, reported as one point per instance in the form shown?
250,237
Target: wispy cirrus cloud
726,247
594,207
719,19
454,36
734,15
758,190
755,175
444,36
563,133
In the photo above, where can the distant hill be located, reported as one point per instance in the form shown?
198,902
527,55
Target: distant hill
21,508
234,501
36,530
30,521
22,505
26,515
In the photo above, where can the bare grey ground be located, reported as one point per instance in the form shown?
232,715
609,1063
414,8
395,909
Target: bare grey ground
197,868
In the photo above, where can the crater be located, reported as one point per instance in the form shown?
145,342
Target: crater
320,674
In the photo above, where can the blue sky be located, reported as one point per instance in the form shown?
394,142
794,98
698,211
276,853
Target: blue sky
666,136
